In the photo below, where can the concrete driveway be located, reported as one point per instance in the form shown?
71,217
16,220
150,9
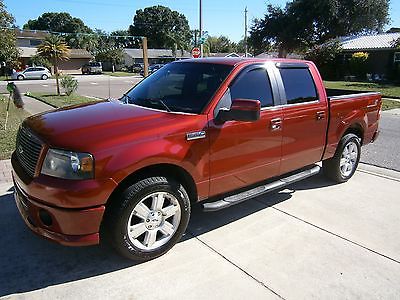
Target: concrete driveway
315,240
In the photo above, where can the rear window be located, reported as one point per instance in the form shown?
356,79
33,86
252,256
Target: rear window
299,85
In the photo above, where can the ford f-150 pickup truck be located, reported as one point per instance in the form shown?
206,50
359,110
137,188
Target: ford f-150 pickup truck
215,131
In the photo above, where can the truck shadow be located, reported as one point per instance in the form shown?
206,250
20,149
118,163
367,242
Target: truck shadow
202,222
30,262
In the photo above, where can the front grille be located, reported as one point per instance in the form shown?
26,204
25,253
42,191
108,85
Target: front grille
28,149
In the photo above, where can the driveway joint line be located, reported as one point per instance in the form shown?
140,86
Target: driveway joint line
235,265
335,234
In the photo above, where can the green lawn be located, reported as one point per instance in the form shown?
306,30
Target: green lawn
389,104
387,90
60,101
7,137
120,74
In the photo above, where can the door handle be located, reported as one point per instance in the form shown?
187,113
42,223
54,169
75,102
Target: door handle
320,115
276,124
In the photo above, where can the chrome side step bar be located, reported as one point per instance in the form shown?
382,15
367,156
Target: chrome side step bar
260,190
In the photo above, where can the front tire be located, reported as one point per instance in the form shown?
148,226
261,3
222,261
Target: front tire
342,166
148,219
20,77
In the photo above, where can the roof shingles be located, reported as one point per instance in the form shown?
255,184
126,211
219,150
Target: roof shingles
371,42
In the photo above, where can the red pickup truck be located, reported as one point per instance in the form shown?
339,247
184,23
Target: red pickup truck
212,130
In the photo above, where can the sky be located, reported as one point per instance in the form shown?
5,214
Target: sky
222,17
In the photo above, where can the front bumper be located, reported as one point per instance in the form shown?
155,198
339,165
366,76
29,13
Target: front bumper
68,227
64,211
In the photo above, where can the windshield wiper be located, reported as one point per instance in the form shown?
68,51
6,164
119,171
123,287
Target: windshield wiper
160,101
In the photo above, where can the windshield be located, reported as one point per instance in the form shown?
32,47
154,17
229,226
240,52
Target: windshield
181,87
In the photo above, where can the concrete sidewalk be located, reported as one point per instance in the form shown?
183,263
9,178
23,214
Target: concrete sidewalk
34,106
314,240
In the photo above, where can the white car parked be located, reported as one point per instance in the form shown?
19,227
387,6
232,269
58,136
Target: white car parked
32,73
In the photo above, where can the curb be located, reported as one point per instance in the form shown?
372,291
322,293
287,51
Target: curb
378,171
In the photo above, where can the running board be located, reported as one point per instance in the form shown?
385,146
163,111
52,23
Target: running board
260,190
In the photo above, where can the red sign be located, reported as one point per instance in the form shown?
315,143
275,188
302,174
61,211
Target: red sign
196,52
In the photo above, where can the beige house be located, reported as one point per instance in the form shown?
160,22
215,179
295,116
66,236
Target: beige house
28,40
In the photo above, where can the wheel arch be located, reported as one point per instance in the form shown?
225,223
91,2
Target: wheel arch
356,129
162,169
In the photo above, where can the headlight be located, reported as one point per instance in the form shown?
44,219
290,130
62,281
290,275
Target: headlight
68,165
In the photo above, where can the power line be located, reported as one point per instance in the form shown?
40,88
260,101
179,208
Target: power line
74,33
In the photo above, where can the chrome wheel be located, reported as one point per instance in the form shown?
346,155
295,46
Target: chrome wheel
348,159
153,221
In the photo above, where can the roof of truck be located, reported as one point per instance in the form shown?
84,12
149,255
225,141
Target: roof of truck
237,60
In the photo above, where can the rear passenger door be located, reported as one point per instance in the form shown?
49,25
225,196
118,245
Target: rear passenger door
305,115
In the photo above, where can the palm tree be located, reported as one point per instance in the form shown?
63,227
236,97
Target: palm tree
55,49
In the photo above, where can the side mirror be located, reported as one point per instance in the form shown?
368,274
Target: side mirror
241,110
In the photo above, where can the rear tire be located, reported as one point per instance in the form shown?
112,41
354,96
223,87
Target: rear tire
148,218
44,77
342,166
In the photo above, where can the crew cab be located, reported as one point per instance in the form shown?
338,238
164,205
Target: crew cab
216,131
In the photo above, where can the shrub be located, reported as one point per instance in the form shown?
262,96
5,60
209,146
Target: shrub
359,64
69,84
325,57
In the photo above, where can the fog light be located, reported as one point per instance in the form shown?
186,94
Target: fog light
45,218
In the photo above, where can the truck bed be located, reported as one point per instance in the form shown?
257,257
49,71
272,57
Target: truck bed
348,108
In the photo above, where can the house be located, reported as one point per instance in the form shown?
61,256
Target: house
383,57
29,40
274,54
155,56
233,54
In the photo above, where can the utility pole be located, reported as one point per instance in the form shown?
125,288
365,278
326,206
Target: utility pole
201,28
245,32
145,57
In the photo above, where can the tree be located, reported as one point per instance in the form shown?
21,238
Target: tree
121,39
113,55
9,53
55,49
325,56
58,22
304,23
221,44
38,60
63,22
159,24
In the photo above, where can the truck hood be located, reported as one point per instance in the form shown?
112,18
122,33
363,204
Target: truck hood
101,124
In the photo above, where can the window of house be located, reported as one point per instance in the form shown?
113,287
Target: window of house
397,57
254,85
299,85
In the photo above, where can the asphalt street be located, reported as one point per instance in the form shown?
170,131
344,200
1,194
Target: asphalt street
385,151
313,240
100,86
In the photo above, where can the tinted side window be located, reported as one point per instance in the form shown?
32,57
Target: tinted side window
253,85
299,85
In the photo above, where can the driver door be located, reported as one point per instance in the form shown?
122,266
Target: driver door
243,153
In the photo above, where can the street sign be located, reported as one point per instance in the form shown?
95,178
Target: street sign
196,52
